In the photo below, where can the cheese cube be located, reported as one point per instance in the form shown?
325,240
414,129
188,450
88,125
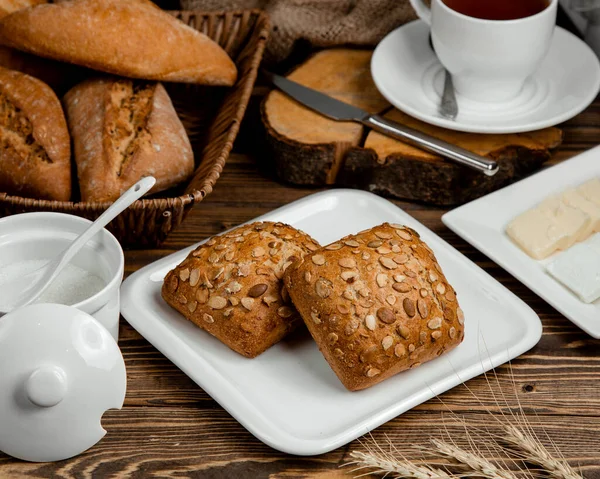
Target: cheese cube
579,269
566,219
573,198
536,233
591,190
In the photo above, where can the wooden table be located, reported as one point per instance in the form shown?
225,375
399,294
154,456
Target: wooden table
169,427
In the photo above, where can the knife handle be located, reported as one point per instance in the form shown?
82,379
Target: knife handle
429,143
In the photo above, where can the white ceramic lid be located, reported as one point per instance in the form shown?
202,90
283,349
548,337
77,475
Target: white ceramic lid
60,370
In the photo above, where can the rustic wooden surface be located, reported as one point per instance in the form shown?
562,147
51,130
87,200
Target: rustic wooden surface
169,427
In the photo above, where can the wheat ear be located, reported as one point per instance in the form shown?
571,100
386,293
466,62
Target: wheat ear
534,451
393,467
480,466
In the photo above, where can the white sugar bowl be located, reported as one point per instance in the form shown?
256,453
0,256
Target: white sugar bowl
60,370
91,281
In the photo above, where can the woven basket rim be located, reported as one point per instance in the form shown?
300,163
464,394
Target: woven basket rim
196,195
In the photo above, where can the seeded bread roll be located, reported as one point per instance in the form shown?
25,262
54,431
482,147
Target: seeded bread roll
35,150
376,303
122,131
231,286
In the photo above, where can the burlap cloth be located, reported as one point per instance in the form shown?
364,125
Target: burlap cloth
323,23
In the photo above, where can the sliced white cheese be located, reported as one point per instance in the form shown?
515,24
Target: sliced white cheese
536,233
573,198
591,190
579,269
571,222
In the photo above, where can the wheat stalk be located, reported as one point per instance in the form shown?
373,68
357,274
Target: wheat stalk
393,467
520,438
533,451
482,467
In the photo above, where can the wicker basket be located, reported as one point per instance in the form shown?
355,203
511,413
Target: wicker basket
212,118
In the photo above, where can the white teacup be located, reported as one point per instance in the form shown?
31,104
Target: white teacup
489,60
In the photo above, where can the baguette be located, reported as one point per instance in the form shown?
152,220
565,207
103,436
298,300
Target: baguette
129,38
376,303
35,152
57,75
231,285
123,131
9,6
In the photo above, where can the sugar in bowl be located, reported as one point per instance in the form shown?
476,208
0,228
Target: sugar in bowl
90,282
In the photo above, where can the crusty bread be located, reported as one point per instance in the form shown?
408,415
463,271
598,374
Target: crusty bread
59,76
10,6
231,285
129,38
122,131
376,303
35,152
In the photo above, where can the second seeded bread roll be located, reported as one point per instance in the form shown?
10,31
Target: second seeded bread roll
231,286
376,303
122,131
35,151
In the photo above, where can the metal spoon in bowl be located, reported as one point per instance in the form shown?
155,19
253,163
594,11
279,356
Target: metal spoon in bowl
26,289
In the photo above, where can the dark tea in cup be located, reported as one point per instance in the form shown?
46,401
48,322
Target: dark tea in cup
497,9
490,47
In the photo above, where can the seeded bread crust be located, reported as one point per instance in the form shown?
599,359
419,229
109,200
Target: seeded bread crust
35,149
122,131
231,286
128,38
376,303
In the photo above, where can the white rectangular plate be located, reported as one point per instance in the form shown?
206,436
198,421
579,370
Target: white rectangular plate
483,223
288,397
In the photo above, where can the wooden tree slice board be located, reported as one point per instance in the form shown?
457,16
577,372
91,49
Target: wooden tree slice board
310,149
390,167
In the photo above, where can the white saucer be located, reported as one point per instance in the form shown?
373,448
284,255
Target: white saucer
409,75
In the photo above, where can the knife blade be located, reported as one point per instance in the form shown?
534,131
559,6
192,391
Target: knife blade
317,101
340,111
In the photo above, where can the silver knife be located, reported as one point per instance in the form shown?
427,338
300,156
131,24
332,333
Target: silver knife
340,111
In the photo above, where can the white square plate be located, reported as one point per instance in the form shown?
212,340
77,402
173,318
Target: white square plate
288,397
483,223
